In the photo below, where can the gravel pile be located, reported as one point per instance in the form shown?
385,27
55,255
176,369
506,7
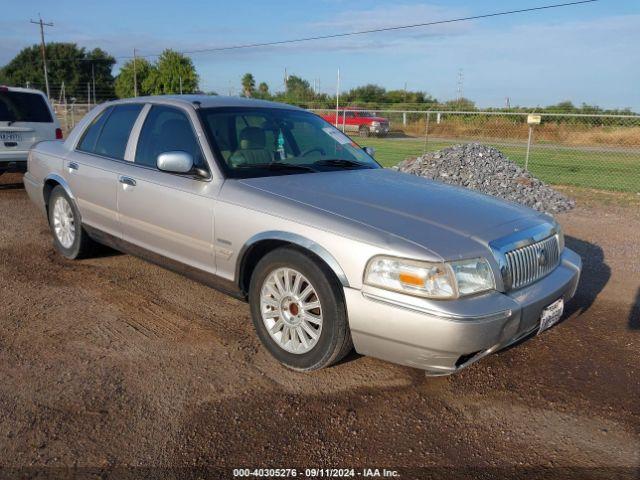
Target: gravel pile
487,170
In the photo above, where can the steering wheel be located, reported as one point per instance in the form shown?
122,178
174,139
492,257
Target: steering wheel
320,150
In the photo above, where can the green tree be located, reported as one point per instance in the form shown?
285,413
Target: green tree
124,80
263,91
298,90
248,85
172,71
66,63
366,94
461,104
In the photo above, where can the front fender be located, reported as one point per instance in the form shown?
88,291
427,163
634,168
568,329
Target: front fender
295,239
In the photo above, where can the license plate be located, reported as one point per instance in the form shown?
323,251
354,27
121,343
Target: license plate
10,137
551,315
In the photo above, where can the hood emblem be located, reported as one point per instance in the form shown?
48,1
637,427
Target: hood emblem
542,257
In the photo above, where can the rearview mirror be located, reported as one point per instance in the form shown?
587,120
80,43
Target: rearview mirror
370,151
175,162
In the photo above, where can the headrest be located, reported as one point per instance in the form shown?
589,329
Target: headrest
252,138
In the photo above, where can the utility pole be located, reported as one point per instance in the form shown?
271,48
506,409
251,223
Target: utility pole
460,84
93,81
135,75
337,97
44,55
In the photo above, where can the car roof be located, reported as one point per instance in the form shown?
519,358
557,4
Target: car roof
20,89
207,101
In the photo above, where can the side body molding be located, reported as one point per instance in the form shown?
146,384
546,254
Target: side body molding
58,179
295,239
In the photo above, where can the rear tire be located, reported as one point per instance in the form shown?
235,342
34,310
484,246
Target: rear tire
303,331
69,237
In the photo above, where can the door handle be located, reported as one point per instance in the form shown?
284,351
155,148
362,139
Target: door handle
127,181
73,166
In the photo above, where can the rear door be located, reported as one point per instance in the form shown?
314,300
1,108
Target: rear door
166,213
92,168
25,118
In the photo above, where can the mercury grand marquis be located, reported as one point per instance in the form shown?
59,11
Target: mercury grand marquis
272,204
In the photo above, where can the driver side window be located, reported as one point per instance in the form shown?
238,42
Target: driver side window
167,129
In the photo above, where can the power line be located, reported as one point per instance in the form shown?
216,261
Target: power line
349,34
377,30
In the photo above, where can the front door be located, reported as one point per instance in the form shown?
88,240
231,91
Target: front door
166,213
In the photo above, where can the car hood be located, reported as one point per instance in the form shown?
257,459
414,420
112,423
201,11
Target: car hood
441,218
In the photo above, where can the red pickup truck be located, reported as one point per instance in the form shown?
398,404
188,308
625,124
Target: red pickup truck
354,119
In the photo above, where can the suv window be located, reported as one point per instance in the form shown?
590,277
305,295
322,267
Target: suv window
23,107
114,136
167,129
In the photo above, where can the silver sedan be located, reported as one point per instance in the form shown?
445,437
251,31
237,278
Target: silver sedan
271,204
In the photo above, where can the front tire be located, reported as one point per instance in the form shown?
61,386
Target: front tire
298,310
69,237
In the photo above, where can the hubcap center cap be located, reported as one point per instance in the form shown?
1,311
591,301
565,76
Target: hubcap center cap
290,311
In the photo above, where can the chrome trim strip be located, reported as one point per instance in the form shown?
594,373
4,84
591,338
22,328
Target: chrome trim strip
296,240
57,178
446,316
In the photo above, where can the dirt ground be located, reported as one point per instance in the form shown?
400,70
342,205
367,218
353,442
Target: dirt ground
113,362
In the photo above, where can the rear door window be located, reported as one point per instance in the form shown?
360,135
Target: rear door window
114,134
24,107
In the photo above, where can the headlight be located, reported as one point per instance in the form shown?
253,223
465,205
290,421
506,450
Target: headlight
430,280
473,276
375,124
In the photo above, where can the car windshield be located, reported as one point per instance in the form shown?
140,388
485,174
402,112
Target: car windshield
257,142
23,107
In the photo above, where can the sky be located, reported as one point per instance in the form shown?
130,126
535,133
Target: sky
585,53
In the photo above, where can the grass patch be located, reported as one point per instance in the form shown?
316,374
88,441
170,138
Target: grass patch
617,171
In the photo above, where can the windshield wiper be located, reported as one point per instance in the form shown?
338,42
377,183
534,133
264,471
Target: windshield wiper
341,162
278,166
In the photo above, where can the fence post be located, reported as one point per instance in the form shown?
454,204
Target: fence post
426,133
526,158
344,120
404,119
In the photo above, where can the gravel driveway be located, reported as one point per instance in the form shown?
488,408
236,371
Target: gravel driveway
113,361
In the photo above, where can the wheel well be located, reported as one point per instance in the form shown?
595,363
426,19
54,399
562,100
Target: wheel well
49,185
263,247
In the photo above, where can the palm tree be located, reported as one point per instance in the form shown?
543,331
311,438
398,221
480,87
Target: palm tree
248,85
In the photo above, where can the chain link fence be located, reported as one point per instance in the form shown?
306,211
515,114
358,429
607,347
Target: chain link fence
594,151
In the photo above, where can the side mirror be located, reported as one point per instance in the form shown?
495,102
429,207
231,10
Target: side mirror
175,162
370,151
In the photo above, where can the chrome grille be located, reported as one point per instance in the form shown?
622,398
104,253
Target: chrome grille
532,262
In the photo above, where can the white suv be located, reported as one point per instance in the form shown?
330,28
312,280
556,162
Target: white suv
26,117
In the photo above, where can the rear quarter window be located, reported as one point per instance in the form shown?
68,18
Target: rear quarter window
24,107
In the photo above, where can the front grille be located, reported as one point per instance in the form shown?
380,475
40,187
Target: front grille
532,262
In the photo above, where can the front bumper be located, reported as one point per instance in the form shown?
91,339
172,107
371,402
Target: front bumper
443,337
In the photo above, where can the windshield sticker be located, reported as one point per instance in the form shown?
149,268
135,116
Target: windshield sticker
337,135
